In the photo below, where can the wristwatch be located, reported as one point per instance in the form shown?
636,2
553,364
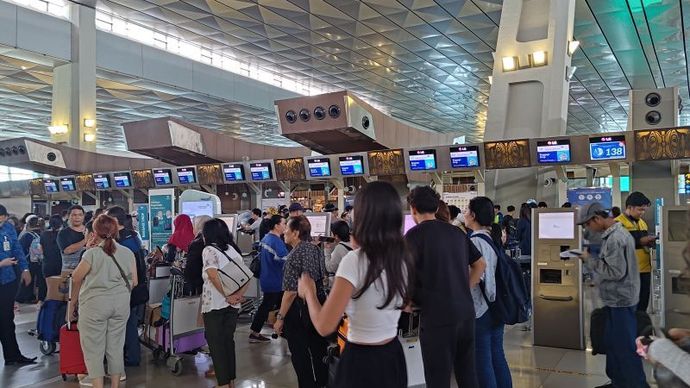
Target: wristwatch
280,317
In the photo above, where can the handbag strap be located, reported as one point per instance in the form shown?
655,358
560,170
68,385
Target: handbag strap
122,273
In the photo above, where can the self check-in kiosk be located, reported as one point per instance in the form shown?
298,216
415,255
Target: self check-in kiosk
556,282
675,267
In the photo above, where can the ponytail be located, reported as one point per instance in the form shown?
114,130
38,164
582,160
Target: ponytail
106,228
109,245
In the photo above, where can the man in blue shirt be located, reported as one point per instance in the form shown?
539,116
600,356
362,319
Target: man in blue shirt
11,258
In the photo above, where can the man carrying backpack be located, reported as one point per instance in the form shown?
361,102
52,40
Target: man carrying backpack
492,367
619,288
447,265
31,244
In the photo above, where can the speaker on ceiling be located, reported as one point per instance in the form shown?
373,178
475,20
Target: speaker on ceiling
653,108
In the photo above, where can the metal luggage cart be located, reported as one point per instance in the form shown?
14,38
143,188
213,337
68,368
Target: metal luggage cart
183,328
253,296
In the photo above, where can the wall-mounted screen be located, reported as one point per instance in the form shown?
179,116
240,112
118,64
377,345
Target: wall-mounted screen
51,185
261,171
422,160
197,208
233,172
186,175
320,224
102,181
607,147
68,184
409,223
464,156
122,179
162,177
319,167
557,226
352,165
553,151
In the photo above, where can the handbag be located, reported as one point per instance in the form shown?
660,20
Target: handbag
233,275
255,266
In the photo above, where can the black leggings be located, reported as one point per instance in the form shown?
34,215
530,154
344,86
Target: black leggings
308,350
270,302
220,334
645,289
380,366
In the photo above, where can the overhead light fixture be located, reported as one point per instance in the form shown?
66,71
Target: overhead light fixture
572,46
538,58
89,123
510,63
570,72
491,80
58,129
89,137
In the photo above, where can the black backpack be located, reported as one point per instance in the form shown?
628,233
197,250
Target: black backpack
512,304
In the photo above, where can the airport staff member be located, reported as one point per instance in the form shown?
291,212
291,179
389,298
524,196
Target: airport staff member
11,255
619,288
635,206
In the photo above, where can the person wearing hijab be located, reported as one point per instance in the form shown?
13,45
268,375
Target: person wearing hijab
181,237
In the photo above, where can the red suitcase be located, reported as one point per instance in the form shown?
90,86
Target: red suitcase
71,356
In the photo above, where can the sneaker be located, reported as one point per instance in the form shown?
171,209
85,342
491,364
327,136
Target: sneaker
85,382
123,377
258,338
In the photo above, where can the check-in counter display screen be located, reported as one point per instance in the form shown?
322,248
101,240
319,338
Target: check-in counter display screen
186,175
464,156
553,151
68,184
607,147
163,177
102,181
422,160
122,179
320,167
261,171
51,185
557,226
351,165
233,172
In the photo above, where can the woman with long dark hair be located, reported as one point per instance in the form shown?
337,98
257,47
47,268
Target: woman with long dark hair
524,226
371,287
307,347
52,259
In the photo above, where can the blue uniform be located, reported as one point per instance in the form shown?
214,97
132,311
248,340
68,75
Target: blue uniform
8,238
8,289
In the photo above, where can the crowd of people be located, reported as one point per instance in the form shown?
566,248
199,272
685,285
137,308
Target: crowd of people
370,272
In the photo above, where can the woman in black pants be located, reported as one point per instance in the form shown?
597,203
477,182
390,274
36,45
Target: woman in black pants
307,347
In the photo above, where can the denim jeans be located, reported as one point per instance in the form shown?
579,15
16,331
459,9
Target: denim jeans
132,345
492,367
623,365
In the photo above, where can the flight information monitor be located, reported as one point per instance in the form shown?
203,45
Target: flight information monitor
464,156
607,147
261,171
422,160
102,181
319,167
553,151
51,185
122,179
68,184
351,165
186,175
233,172
162,177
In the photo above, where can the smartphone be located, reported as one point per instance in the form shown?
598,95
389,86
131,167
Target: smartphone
326,239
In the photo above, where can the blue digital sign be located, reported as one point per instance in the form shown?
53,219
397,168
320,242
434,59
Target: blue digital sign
422,160
186,175
162,177
102,181
233,172
553,151
464,156
261,171
50,185
351,165
122,179
607,147
68,184
320,167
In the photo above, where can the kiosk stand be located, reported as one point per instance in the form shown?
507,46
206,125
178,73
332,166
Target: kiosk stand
556,283
674,267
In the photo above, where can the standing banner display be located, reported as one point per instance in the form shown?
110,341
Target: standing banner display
161,213
583,196
143,226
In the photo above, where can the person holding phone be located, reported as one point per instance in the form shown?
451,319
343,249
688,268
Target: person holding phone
72,239
11,256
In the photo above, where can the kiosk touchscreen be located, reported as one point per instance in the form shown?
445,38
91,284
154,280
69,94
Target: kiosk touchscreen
674,270
102,181
51,185
186,175
319,167
233,172
68,184
162,177
464,156
320,224
197,203
197,208
351,165
122,179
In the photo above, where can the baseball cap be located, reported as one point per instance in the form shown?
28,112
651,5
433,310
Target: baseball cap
3,211
590,211
295,206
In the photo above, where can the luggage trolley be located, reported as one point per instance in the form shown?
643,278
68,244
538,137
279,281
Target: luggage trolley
182,333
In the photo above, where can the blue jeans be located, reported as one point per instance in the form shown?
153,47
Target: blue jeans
492,367
623,365
132,345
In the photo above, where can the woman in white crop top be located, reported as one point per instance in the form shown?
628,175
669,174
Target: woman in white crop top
370,287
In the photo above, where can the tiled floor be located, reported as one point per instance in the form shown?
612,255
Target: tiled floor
268,365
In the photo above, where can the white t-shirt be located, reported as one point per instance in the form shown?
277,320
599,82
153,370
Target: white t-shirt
368,323
211,298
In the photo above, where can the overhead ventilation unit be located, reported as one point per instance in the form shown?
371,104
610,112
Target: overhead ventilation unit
654,108
359,118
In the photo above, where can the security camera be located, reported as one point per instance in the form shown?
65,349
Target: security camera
51,156
652,117
319,113
334,111
291,116
652,99
304,115
365,122
549,181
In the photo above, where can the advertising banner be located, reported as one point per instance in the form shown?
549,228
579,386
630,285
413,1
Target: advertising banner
161,214
143,225
585,195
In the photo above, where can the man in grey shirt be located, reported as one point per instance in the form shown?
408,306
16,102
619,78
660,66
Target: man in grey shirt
619,284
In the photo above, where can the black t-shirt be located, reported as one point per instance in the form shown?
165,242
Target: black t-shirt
67,237
263,228
442,254
52,259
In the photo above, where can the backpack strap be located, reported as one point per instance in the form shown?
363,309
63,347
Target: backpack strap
349,248
489,241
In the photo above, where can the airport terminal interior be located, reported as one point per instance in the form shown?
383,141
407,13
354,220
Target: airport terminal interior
568,115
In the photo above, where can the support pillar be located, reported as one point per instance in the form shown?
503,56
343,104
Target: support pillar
529,100
74,85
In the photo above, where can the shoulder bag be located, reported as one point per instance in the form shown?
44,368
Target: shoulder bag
122,273
233,275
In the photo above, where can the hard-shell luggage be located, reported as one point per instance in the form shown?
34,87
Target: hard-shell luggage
71,356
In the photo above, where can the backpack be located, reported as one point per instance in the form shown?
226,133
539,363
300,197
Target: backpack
35,250
512,304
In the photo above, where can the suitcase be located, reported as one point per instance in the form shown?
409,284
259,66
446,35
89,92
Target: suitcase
182,344
50,318
71,356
